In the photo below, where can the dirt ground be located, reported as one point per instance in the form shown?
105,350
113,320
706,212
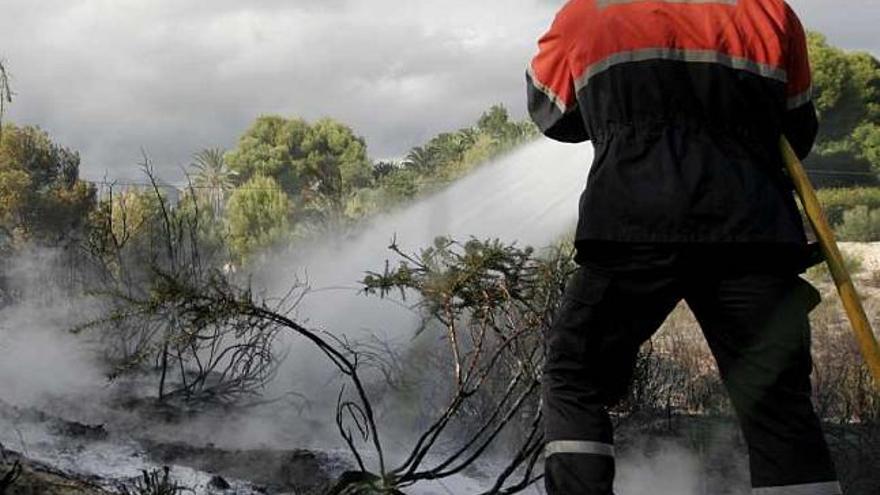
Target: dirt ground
867,252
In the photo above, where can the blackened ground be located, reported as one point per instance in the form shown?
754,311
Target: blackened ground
36,478
297,471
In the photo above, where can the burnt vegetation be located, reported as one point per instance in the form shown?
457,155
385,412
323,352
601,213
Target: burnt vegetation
155,482
489,301
166,269
169,306
486,304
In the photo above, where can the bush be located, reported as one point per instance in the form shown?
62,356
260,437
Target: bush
837,201
149,266
860,224
839,165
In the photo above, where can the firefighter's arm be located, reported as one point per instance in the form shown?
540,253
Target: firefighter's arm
800,122
550,86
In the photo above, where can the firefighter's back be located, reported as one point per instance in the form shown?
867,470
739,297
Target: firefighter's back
684,101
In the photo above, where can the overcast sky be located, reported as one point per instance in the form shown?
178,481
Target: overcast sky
109,77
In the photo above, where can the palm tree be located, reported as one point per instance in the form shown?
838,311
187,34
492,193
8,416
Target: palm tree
383,169
213,176
468,137
419,158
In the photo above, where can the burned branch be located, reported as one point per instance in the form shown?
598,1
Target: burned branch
156,316
493,303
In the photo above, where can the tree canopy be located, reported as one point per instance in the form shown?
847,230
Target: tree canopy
847,96
257,215
326,157
41,196
212,178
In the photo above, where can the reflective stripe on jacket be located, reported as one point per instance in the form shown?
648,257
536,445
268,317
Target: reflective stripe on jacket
684,101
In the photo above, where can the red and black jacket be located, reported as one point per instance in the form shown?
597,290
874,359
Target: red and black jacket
684,101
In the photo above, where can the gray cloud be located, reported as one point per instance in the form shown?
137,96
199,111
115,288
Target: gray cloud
108,78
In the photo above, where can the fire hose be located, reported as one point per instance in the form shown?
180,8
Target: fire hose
852,303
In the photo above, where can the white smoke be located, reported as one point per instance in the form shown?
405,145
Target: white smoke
529,197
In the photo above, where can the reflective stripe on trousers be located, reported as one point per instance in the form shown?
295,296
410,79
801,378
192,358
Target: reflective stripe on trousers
756,324
578,447
826,488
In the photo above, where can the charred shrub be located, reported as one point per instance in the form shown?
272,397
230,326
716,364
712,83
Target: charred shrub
155,482
170,305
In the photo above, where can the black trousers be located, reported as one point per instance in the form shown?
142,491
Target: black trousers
752,307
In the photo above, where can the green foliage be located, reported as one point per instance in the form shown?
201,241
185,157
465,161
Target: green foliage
197,211
838,165
847,95
41,196
324,158
271,147
401,185
383,169
319,167
324,171
456,277
867,138
838,200
136,227
213,178
257,216
451,155
134,212
336,159
496,123
860,224
422,159
14,185
365,203
831,73
491,303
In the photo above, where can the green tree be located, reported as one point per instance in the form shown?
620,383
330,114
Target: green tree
867,137
401,185
846,86
207,226
325,158
213,177
257,216
860,224
420,158
383,169
495,122
335,159
133,215
43,199
507,133
271,147
847,95
449,146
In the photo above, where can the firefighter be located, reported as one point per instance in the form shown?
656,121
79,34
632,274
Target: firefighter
687,199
